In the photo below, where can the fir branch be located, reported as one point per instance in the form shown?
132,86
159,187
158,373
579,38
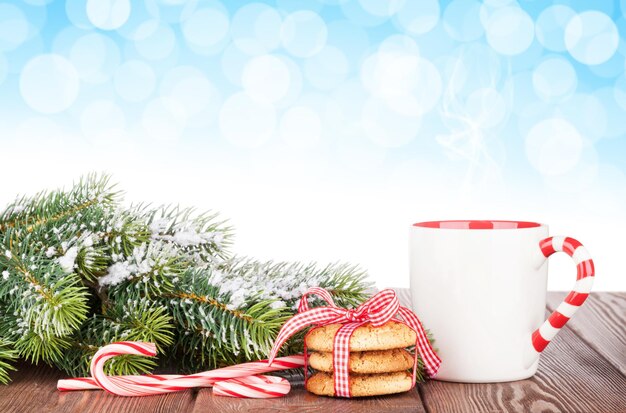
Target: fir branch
201,236
232,313
48,208
151,274
286,282
46,299
125,232
35,347
134,321
41,310
212,331
8,354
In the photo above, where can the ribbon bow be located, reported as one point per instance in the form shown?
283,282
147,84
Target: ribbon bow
379,309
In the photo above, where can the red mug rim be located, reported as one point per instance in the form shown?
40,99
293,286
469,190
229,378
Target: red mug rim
477,224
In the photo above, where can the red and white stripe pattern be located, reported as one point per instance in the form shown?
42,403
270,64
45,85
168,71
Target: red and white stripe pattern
379,309
584,280
242,380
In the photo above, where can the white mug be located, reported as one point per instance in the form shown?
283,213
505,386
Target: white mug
480,288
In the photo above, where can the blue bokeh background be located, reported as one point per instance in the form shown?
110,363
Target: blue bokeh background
455,107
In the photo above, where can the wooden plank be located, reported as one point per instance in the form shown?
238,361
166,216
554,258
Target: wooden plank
99,401
302,401
601,322
31,389
34,390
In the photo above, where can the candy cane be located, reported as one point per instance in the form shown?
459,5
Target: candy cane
585,274
241,380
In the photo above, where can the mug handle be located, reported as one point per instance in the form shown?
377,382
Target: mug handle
584,280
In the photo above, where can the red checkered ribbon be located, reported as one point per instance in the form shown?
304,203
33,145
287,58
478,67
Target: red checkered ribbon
378,310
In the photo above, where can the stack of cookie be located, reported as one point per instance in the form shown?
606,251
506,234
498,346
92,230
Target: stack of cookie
378,364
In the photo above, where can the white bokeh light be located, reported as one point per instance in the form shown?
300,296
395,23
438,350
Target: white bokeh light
382,8
134,81
327,109
350,97
489,7
389,74
108,14
587,113
294,5
17,58
510,31
386,127
486,108
580,177
14,27
259,125
461,20
206,30
553,146
300,127
4,68
176,11
471,67
197,95
615,125
101,117
356,13
142,11
303,33
619,90
154,40
355,151
399,43
613,67
417,17
232,62
550,27
591,37
38,2
327,69
164,120
76,12
348,37
266,79
409,84
256,28
423,96
49,83
554,79
296,83
39,130
533,113
95,57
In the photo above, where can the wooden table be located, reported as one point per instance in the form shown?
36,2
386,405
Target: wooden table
583,370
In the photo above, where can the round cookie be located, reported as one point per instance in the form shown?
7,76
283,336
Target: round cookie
366,362
322,384
390,335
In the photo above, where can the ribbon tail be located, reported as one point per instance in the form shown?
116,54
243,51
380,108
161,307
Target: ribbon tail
429,357
297,323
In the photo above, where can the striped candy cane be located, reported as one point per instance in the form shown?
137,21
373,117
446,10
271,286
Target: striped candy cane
584,280
242,380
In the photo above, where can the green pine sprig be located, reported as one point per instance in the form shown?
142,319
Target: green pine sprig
8,355
79,270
